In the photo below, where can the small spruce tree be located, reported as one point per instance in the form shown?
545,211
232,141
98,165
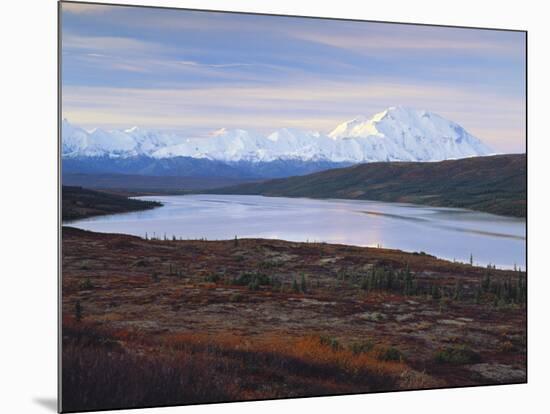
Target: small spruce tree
486,283
78,311
457,295
478,293
303,283
295,287
436,293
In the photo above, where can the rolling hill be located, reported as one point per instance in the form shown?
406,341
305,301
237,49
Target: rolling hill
494,184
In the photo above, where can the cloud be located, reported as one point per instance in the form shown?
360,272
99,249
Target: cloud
420,40
498,120
191,70
214,65
114,44
83,8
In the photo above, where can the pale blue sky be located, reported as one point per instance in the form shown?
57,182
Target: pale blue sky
196,71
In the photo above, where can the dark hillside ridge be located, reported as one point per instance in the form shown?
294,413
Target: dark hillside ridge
78,202
494,184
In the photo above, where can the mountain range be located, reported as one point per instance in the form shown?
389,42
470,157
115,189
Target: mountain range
395,134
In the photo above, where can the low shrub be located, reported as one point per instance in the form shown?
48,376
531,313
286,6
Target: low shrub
268,264
236,297
255,278
330,341
86,284
457,355
212,278
390,354
361,347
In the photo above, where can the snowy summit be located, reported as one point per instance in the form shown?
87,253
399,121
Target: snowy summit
396,134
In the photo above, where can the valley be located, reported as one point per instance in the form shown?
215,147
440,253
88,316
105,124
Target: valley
259,207
163,320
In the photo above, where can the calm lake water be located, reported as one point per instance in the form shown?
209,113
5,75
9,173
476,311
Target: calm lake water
444,232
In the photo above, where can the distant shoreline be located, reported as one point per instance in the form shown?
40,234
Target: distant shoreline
494,184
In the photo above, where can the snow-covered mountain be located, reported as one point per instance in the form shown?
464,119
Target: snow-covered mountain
405,134
396,134
77,142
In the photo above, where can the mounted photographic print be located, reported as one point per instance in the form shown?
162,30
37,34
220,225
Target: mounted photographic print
262,206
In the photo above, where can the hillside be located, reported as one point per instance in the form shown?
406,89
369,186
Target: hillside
78,202
494,184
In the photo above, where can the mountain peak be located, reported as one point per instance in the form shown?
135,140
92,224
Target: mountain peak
228,132
362,126
396,117
397,133
358,126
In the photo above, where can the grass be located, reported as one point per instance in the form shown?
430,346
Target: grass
100,378
99,371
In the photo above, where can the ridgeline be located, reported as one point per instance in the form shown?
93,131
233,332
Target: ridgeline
493,184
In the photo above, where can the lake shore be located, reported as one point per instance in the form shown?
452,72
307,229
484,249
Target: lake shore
495,184
454,234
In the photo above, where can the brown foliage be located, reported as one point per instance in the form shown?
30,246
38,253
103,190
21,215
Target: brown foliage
100,371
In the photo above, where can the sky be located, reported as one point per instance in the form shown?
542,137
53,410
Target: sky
193,72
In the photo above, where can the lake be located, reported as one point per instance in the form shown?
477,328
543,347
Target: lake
449,233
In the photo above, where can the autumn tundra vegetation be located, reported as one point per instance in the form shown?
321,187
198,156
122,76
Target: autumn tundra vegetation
161,321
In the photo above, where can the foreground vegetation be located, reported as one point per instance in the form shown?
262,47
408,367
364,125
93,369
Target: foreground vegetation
153,322
495,184
118,368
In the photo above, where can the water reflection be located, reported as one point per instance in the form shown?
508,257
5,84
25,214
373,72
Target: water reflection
443,232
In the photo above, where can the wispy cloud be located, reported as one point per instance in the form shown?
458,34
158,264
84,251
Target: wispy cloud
214,65
412,43
187,70
316,106
83,8
117,44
